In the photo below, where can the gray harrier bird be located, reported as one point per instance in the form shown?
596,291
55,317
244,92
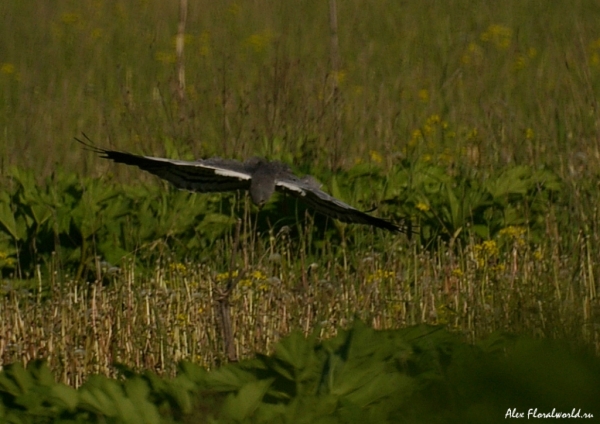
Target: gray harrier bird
259,176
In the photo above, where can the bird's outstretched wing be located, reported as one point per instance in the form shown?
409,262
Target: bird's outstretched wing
210,175
308,190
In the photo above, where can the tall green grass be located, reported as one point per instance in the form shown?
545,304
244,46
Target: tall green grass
461,84
259,80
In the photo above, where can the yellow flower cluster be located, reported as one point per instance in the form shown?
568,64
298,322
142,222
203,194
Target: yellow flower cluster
524,58
434,131
457,272
594,52
165,57
445,315
7,68
473,54
70,18
529,134
204,43
224,276
515,234
6,260
177,267
484,251
256,279
182,319
340,76
498,35
260,41
375,156
433,125
380,275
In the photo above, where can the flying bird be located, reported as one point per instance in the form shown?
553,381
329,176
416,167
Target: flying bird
259,176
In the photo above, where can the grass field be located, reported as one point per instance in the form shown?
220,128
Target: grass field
470,88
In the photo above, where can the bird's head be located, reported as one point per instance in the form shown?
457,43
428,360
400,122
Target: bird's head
262,185
260,193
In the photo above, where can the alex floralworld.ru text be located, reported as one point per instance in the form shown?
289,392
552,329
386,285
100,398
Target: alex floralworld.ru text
533,413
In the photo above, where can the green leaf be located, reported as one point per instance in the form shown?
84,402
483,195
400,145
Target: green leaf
179,391
242,405
94,397
192,371
335,188
7,217
65,396
294,350
8,385
455,218
228,378
22,377
138,392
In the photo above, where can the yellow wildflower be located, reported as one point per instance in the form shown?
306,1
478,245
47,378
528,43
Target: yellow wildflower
473,54
457,272
498,35
339,77
258,275
177,267
434,119
181,319
375,156
7,68
423,207
529,134
165,57
380,275
224,276
260,41
70,18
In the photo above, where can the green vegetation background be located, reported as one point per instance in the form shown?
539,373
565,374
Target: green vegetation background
511,88
478,120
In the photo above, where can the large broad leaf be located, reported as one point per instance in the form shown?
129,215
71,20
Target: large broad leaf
379,386
228,378
192,371
138,391
7,218
515,180
547,179
363,170
8,384
360,369
22,377
295,350
94,398
212,227
455,218
65,396
107,397
180,392
242,405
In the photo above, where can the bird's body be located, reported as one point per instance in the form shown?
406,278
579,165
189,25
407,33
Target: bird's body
259,176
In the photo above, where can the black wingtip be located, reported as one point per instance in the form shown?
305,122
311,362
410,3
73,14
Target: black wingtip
119,157
89,144
406,227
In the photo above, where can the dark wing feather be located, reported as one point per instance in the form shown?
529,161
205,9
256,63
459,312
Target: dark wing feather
307,189
211,175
